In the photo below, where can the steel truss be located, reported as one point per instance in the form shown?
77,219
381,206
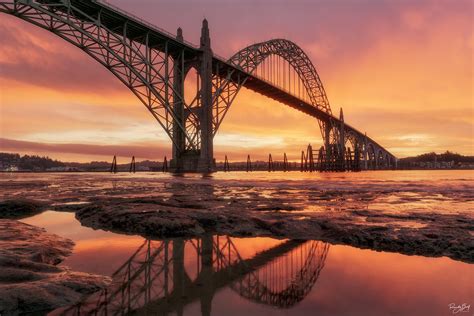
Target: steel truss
153,64
144,63
338,137
249,58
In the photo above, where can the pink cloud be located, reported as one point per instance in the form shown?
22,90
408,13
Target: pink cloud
373,57
156,152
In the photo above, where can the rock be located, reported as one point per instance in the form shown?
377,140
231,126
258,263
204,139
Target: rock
21,208
380,215
30,280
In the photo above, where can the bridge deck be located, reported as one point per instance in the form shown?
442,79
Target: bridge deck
265,88
113,18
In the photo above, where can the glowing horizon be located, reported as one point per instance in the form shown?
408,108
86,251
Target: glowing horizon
401,71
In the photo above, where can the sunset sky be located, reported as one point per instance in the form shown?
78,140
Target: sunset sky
401,70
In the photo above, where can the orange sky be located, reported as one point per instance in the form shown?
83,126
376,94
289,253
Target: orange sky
402,71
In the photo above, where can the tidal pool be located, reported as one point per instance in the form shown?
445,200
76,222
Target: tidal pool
220,275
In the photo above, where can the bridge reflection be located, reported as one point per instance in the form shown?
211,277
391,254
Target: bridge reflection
163,277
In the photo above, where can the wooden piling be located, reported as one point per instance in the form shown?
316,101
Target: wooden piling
132,165
226,164
270,163
310,158
113,168
165,165
303,162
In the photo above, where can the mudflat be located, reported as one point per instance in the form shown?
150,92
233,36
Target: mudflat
429,215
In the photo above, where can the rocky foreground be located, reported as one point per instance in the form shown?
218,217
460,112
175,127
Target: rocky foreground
30,279
427,217
426,234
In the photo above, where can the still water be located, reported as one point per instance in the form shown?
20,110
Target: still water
218,275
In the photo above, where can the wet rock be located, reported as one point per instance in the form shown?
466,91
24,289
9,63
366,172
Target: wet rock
21,208
30,280
431,235
406,216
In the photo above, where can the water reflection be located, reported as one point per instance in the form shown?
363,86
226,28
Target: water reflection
164,277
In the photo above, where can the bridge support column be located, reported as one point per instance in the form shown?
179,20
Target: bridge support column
201,159
365,152
342,143
179,140
206,158
327,144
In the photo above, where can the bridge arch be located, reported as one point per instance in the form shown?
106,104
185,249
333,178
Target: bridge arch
250,57
388,162
371,156
380,158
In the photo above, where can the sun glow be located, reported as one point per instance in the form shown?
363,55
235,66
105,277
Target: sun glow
406,81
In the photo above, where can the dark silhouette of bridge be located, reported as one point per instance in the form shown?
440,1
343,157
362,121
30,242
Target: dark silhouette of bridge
154,64
155,280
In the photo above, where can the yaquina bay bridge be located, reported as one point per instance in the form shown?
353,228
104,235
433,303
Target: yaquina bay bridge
154,65
164,277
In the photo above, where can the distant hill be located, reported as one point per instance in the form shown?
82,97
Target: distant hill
27,162
444,157
16,162
446,160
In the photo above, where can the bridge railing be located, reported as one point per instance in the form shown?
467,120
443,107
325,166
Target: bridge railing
146,23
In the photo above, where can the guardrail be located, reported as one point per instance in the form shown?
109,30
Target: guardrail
140,20
152,26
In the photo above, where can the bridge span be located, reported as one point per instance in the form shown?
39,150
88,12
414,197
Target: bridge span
154,64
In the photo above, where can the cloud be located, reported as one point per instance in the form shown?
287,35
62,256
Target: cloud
396,67
31,55
93,152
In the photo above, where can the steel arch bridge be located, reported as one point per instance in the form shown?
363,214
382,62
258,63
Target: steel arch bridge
154,64
156,279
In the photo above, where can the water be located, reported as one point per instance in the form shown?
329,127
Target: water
303,278
221,275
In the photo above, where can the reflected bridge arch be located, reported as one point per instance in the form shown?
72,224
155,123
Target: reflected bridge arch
156,278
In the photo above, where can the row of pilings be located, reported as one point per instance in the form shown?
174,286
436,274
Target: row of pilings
133,168
331,159
249,166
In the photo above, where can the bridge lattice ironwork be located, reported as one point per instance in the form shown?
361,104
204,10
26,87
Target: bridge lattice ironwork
153,64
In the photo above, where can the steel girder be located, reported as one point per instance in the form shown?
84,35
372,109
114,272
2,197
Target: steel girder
225,87
250,57
375,156
144,68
